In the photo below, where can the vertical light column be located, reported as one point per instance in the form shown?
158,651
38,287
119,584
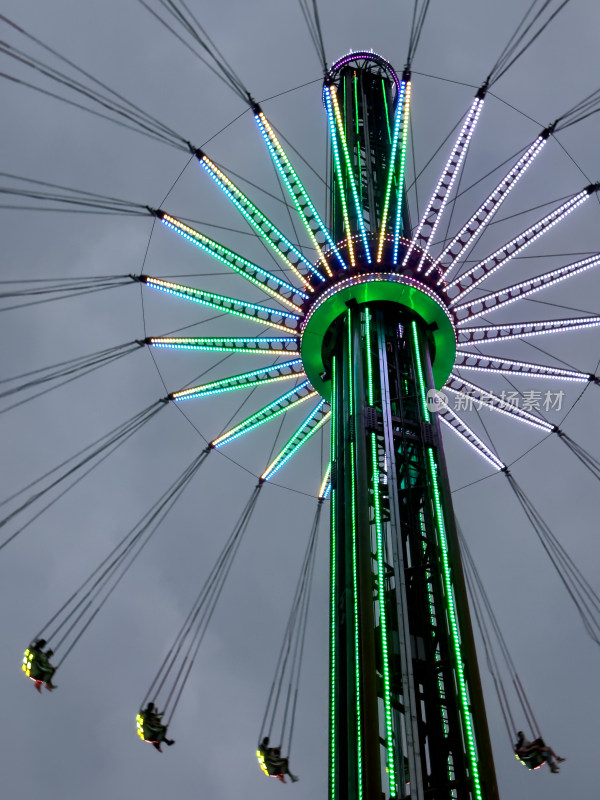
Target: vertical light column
333,759
383,626
355,596
464,704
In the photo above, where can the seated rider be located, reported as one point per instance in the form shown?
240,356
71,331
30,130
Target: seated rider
154,729
41,668
277,766
534,754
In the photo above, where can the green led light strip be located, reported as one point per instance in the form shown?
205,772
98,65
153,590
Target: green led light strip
333,600
387,114
350,379
296,441
244,379
450,603
359,763
355,619
358,138
261,224
370,394
387,701
234,261
224,304
266,414
325,480
401,112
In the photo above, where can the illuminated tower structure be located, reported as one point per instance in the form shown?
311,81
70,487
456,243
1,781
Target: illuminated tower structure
406,710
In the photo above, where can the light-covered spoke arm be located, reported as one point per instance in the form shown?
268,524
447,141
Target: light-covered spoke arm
286,402
228,305
522,330
336,127
260,345
285,371
472,230
397,153
427,226
339,175
469,280
265,280
401,171
460,427
472,309
276,240
314,422
470,396
308,213
505,366
325,489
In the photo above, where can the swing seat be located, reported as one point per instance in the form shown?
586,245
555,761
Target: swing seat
533,761
149,732
34,668
270,770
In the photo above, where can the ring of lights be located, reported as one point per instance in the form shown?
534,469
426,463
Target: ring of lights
374,287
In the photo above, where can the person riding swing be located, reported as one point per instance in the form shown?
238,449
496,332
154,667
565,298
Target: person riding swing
37,666
536,753
273,763
151,727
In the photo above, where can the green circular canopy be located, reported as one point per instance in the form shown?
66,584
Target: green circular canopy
370,288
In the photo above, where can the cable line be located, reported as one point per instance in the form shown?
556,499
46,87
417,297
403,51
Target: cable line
75,616
51,290
91,456
281,705
483,608
532,25
68,371
213,58
120,109
416,29
586,601
167,686
310,12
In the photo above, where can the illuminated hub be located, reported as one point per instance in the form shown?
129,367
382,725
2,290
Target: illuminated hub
406,287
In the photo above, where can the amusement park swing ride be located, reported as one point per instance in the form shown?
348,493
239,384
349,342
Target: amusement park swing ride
384,333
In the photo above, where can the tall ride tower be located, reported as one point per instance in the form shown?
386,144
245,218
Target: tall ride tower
406,710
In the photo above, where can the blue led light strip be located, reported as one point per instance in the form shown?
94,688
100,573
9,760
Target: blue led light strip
276,372
251,272
298,193
263,226
228,305
306,430
401,172
260,345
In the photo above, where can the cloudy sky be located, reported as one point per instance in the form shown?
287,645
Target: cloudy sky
81,740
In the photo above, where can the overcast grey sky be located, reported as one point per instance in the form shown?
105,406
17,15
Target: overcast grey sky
81,740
